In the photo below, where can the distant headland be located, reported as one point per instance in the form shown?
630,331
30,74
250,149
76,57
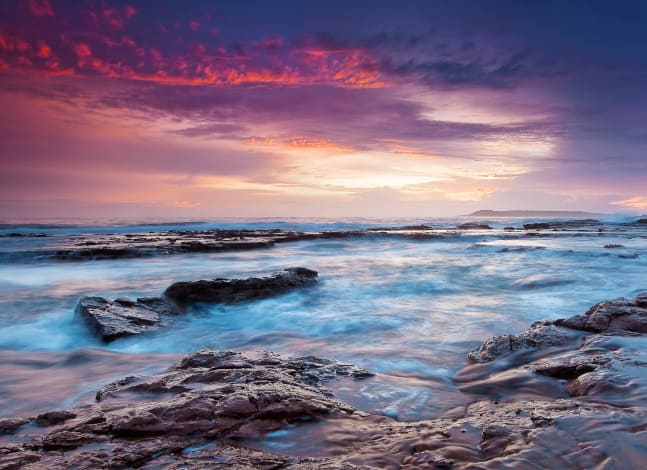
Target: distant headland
531,213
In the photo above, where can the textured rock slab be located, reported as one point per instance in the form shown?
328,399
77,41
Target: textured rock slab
112,319
540,334
239,290
207,395
612,315
118,318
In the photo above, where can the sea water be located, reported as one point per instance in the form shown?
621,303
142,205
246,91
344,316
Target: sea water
406,309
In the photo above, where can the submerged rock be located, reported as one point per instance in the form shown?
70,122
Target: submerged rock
118,318
239,290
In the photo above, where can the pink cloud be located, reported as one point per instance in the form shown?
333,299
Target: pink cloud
44,51
130,11
41,8
113,19
83,51
194,25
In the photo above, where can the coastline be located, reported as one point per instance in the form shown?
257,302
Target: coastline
213,408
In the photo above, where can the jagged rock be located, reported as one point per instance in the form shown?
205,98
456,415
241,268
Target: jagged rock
613,245
189,416
540,334
616,315
118,318
112,319
239,290
640,221
9,425
54,417
613,315
207,395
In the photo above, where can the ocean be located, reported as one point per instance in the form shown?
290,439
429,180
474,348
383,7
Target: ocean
405,308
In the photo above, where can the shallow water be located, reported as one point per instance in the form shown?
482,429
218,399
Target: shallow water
407,309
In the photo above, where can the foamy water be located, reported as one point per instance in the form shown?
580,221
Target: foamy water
407,309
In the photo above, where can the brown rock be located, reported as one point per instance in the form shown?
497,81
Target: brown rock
540,334
239,290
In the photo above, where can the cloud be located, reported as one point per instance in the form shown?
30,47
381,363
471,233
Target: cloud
41,8
637,202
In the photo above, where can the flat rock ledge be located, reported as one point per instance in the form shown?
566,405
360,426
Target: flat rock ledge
118,318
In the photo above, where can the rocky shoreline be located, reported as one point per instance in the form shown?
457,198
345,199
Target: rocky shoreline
568,393
174,242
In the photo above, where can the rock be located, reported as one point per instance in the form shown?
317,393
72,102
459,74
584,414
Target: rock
9,425
54,417
619,315
540,334
239,290
562,225
400,229
206,411
613,245
640,222
473,226
207,395
122,317
612,315
537,226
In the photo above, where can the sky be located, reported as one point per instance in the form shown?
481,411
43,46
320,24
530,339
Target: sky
321,109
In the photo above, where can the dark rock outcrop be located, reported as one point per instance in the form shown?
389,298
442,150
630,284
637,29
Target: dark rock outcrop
562,224
118,318
537,226
239,290
473,226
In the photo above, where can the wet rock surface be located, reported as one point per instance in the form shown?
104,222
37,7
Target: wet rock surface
206,397
540,334
113,319
620,316
563,394
239,290
474,226
563,225
174,242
